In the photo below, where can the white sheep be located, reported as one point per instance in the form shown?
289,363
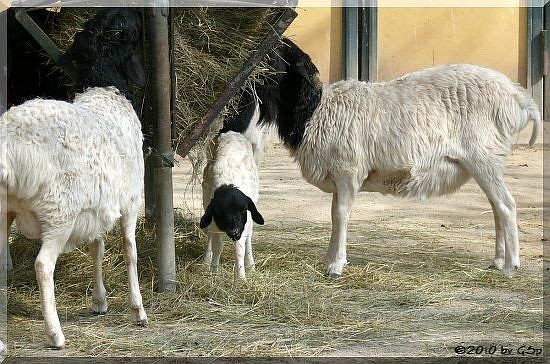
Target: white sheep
421,135
230,191
68,171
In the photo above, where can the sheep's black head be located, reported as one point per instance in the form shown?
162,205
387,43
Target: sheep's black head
228,209
290,97
290,61
104,50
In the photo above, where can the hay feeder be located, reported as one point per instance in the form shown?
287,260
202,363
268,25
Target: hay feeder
161,101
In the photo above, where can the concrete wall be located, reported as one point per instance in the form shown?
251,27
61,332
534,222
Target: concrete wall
318,31
414,38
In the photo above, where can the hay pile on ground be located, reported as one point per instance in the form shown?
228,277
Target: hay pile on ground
287,307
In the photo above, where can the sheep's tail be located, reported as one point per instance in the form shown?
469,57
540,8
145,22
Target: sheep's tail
530,112
534,115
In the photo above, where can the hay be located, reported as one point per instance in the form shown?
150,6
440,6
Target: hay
287,307
210,47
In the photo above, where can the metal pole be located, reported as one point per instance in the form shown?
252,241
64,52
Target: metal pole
351,40
162,147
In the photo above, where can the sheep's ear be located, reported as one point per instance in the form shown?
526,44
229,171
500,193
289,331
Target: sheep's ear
206,219
134,71
256,216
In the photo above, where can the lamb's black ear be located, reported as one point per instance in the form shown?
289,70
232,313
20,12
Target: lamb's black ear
134,71
206,219
256,216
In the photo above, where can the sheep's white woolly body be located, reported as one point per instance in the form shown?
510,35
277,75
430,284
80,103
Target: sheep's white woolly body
407,137
75,163
233,162
69,172
424,134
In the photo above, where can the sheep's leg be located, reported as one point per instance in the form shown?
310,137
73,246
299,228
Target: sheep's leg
99,295
498,260
492,183
240,247
10,219
217,247
5,256
44,266
342,202
208,253
128,226
248,258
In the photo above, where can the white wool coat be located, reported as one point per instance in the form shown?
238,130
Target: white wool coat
404,137
65,163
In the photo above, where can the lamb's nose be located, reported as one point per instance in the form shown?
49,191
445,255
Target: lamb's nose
235,234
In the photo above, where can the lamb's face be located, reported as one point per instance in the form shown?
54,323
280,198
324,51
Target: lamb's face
230,216
229,209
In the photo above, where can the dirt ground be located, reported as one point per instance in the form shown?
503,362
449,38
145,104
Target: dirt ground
464,217
285,197
417,283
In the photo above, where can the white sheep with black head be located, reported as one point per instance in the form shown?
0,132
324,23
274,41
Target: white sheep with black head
230,189
421,135
69,170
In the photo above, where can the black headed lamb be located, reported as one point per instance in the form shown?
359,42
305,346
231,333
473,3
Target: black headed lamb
70,170
230,189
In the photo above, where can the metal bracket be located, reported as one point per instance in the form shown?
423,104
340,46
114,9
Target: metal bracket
45,42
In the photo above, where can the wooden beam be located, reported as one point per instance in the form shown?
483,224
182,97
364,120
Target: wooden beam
162,147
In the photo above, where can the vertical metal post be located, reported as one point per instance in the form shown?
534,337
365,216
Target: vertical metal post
351,40
535,46
372,53
162,147
546,62
4,248
364,33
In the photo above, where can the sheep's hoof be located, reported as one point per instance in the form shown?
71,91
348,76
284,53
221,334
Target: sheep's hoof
99,308
139,317
497,264
334,275
56,342
510,271
143,323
